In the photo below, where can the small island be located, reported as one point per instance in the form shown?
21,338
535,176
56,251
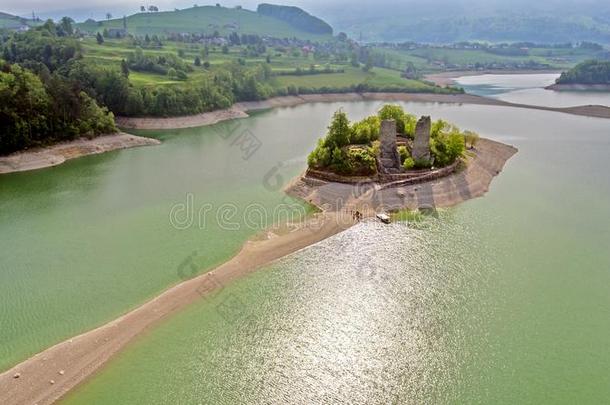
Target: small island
393,161
588,75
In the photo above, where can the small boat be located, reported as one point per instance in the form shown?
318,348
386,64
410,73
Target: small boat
385,218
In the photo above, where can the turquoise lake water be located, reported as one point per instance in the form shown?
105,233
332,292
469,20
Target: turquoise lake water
503,299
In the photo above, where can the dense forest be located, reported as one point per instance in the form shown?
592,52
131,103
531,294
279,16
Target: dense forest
589,72
39,102
296,17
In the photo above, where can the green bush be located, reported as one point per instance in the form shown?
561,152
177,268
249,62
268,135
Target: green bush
447,147
405,123
409,163
422,164
365,131
320,157
361,161
339,132
403,153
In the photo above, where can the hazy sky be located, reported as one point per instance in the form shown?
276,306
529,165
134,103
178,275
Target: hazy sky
97,8
331,9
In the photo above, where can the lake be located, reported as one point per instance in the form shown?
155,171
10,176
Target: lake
501,299
529,89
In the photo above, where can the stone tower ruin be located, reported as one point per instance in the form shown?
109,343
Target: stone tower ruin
421,144
389,158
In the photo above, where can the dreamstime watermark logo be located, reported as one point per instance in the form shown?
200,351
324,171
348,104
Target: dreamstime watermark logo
231,217
242,138
231,308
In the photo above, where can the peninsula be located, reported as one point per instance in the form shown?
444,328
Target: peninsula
589,75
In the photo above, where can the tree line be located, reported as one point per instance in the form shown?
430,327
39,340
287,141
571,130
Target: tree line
588,72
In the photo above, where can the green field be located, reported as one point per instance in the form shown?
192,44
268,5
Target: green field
204,19
112,51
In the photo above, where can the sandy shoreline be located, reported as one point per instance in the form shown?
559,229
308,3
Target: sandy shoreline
446,78
54,155
72,362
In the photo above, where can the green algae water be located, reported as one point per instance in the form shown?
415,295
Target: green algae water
83,242
503,299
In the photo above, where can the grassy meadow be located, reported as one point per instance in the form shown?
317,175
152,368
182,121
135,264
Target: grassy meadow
203,19
112,51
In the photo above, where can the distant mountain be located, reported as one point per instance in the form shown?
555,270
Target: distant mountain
448,21
210,19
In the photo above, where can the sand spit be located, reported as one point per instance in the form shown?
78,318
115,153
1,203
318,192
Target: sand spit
446,78
57,154
188,121
240,110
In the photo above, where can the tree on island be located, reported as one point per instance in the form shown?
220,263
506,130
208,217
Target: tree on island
338,131
353,149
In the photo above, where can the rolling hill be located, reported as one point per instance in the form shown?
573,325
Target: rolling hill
208,19
12,22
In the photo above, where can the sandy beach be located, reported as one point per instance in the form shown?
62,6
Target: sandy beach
39,158
49,375
446,78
